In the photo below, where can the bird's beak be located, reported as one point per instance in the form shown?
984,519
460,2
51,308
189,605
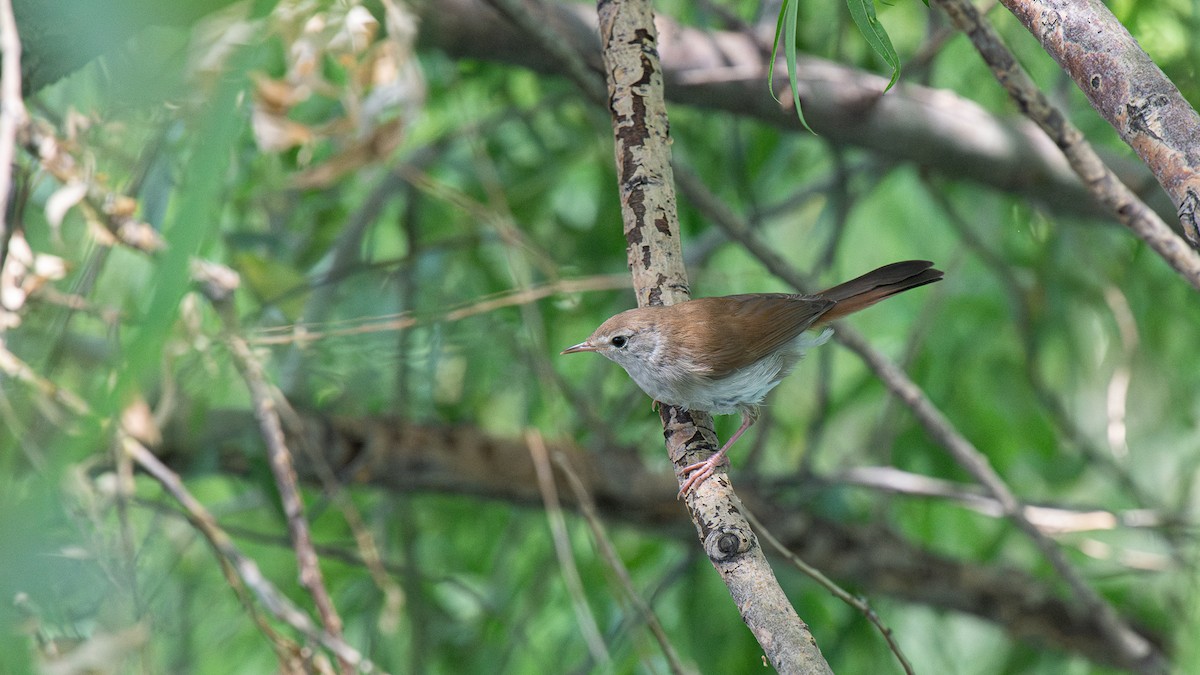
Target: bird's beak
581,347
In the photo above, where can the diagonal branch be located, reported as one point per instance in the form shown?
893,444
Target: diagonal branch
248,571
639,116
1137,651
219,284
1100,181
1128,89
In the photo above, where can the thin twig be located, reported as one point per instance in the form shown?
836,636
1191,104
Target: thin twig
372,559
531,18
1136,648
1050,519
603,542
1019,297
218,285
302,333
279,456
562,548
830,585
276,603
17,369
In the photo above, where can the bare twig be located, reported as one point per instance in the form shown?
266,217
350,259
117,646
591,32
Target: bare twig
603,542
532,18
1049,519
218,285
1136,648
1099,180
22,372
372,559
247,570
279,456
1019,297
302,333
828,584
562,548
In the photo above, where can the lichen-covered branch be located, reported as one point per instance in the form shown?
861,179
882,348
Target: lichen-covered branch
635,86
1128,89
1100,181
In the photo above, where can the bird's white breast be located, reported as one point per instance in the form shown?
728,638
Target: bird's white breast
684,383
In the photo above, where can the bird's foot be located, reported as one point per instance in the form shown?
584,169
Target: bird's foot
699,472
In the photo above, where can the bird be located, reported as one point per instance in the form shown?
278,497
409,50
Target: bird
723,355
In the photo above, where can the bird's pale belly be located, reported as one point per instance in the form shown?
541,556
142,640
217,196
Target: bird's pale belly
744,388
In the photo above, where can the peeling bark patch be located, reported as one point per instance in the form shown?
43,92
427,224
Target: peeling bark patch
645,41
1144,117
1051,21
1188,212
633,134
661,225
647,259
654,298
633,236
1096,82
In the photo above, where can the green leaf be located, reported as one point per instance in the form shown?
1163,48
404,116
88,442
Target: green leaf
863,13
786,25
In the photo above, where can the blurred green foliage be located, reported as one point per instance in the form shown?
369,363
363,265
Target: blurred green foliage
504,180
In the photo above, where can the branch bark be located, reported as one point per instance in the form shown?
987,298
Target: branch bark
1128,89
1103,185
639,115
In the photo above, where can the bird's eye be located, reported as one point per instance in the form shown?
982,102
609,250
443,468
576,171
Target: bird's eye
619,341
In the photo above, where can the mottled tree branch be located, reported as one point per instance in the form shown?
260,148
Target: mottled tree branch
1128,89
1103,185
651,224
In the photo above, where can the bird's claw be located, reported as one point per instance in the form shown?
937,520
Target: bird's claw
699,472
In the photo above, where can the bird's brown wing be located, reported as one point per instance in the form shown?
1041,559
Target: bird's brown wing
737,330
734,331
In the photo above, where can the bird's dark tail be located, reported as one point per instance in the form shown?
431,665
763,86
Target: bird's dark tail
876,285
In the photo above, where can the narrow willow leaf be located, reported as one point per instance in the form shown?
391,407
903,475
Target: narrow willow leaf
863,13
786,26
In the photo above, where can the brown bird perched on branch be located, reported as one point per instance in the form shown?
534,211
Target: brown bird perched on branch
723,355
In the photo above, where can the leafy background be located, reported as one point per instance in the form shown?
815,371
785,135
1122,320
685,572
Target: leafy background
358,173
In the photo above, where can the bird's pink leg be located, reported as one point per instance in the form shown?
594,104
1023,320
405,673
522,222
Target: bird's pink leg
700,471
